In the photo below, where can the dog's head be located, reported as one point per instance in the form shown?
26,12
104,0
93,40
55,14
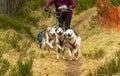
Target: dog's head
51,31
60,31
69,34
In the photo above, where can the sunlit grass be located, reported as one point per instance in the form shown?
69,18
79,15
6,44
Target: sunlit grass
23,68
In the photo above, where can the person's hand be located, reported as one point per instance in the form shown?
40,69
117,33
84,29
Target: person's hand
69,8
46,9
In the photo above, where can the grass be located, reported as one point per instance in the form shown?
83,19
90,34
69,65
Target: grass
95,54
110,67
115,2
22,68
42,55
83,5
4,66
8,22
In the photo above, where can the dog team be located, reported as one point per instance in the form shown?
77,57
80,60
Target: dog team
61,40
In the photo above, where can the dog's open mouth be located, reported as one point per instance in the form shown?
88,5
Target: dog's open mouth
60,33
53,35
69,35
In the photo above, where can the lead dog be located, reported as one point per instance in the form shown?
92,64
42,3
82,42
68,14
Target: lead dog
50,39
60,31
73,43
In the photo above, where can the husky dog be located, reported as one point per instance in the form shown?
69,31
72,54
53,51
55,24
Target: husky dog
73,43
50,39
60,31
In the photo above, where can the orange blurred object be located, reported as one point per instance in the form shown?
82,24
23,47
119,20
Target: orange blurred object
108,15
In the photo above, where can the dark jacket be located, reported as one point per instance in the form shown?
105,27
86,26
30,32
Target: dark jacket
58,3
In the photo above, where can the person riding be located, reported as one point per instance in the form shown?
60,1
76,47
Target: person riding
62,16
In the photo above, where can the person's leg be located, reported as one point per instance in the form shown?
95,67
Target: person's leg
67,22
60,21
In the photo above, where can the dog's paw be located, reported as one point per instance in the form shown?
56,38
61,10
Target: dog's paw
70,59
51,46
63,58
76,59
60,48
57,57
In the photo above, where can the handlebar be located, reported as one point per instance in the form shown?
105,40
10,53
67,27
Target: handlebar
58,13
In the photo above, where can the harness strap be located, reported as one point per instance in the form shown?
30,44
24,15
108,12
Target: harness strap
61,42
72,44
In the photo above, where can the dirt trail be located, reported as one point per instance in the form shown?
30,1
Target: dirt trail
73,67
83,17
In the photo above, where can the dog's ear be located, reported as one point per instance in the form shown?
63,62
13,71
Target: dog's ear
63,28
75,32
56,29
48,29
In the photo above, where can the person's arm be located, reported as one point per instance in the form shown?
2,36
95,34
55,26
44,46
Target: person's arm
49,3
73,4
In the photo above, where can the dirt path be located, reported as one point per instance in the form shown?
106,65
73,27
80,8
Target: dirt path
73,67
83,17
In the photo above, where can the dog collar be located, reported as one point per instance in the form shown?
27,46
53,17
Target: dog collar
72,44
61,41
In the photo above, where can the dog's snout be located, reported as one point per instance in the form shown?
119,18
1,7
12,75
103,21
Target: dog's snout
69,34
53,34
60,33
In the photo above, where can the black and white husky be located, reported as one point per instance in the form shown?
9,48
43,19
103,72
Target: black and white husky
60,31
49,38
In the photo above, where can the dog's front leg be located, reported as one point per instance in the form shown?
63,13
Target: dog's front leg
57,43
76,54
57,50
63,51
70,53
47,41
43,43
77,50
59,46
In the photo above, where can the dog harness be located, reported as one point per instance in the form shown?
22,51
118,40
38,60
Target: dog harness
73,44
61,41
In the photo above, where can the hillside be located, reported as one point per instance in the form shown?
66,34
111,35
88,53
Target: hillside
20,54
